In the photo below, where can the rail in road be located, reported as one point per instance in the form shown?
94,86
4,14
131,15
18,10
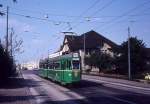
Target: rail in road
85,92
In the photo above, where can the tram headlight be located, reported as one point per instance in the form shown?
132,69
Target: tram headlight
70,74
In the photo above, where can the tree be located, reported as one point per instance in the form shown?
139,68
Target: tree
138,56
91,61
6,65
100,60
104,62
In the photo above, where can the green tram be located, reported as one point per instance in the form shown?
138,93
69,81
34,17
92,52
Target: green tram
65,69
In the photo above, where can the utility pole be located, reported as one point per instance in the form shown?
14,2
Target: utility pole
48,60
7,29
11,42
84,52
129,59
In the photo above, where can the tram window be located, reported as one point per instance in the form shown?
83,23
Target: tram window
50,65
75,64
56,65
45,65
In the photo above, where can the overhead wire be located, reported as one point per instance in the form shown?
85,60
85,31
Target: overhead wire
56,21
103,7
73,16
100,9
50,14
124,14
80,16
45,19
37,18
108,22
85,11
68,22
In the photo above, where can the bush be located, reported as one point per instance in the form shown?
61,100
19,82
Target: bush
7,68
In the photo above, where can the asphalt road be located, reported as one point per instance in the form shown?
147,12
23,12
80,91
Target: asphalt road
91,90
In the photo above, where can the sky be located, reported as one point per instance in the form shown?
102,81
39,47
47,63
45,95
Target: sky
40,23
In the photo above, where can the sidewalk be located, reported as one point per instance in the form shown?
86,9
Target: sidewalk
106,75
118,80
16,92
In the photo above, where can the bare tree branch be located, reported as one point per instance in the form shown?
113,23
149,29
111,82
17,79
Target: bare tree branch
17,44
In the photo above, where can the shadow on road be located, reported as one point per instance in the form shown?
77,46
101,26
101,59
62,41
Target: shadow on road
16,91
15,83
83,84
12,99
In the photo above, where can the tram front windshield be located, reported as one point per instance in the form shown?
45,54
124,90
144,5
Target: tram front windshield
76,64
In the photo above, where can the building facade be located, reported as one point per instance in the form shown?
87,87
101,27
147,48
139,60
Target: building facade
87,43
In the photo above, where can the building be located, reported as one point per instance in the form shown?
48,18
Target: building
93,42
30,65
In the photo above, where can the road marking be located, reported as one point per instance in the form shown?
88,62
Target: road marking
120,84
